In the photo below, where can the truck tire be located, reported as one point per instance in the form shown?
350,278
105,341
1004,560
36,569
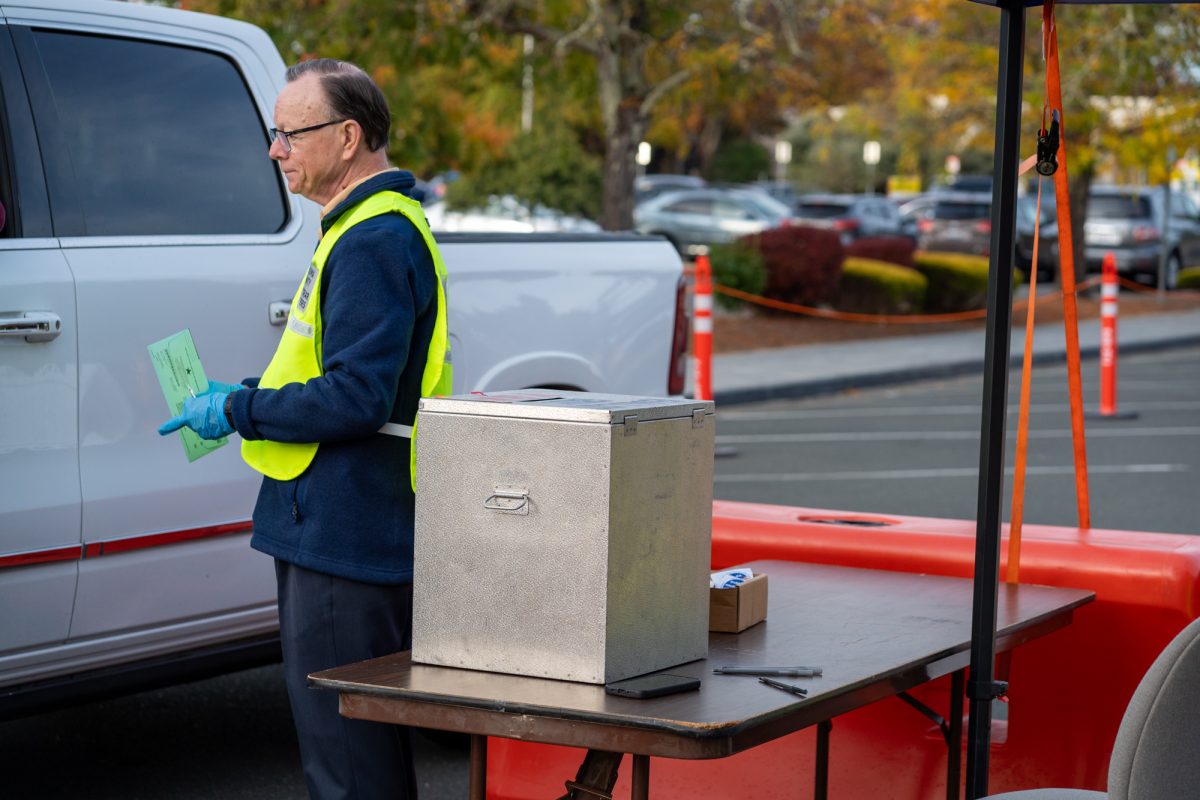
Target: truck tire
1174,265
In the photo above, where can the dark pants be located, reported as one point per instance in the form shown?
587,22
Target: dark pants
327,622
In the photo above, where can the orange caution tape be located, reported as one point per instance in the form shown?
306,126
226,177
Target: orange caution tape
1135,286
886,319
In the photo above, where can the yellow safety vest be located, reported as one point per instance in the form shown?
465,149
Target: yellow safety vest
298,357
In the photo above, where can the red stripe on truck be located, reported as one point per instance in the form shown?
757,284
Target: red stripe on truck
41,556
112,546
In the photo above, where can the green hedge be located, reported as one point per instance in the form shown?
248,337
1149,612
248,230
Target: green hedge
738,267
957,281
869,286
1189,278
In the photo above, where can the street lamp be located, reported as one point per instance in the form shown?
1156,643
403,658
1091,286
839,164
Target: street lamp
643,157
871,153
783,157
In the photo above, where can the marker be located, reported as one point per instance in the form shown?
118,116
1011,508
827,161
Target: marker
789,672
787,687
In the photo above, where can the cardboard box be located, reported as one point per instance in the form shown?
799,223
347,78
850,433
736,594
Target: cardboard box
734,610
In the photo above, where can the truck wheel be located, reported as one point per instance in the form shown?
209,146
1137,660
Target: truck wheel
1174,264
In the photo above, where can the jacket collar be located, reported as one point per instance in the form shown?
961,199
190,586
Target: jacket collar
392,180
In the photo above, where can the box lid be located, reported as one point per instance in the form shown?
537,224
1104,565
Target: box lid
552,404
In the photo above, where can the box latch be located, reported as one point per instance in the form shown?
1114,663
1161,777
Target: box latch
630,424
698,417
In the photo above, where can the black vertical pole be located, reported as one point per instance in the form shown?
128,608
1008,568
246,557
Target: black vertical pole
982,689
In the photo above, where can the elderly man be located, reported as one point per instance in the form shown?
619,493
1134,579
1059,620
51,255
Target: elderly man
329,424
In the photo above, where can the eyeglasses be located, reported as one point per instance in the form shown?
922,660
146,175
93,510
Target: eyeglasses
278,135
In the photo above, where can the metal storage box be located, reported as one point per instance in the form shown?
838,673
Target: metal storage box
562,534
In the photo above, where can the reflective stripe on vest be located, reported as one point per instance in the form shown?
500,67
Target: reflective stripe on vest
298,357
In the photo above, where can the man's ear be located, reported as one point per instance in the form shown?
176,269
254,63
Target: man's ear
352,139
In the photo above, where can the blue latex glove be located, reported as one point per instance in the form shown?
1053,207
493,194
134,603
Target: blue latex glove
204,414
223,388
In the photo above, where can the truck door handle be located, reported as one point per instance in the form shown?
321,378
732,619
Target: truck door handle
34,326
277,312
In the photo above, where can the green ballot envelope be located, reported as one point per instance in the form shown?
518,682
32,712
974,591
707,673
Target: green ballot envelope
181,376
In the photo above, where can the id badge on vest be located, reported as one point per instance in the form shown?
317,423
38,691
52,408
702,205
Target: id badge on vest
306,290
295,324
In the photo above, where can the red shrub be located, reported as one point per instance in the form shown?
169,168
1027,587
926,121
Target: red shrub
803,264
892,249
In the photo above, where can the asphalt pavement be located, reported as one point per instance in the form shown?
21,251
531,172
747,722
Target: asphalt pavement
913,449
803,371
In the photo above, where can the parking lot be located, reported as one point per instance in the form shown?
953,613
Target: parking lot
914,449
903,450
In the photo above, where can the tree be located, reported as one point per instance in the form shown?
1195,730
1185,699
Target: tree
543,167
1140,58
643,50
450,95
938,96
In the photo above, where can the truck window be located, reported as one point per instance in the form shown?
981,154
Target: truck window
163,140
6,227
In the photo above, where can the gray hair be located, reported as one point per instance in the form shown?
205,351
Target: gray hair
352,95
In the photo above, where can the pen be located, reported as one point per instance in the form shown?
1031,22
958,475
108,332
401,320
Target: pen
790,672
787,687
192,391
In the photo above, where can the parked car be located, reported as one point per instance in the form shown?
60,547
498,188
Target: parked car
1047,236
505,214
966,183
853,216
1128,222
654,184
701,217
958,222
782,191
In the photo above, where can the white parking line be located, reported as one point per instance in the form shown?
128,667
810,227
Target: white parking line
943,436
927,411
944,472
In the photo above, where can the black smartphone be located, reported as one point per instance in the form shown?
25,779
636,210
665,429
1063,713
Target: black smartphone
652,685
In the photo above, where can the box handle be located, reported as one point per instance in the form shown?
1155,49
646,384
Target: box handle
509,502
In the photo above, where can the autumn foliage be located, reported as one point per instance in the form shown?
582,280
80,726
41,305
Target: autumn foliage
803,264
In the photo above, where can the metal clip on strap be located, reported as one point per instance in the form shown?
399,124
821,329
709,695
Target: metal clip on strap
1047,147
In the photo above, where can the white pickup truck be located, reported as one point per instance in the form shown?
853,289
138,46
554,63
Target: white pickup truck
137,199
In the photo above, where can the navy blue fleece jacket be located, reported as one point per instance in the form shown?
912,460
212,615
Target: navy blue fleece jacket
350,513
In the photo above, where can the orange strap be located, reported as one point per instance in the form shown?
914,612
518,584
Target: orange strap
1070,316
1066,255
1020,457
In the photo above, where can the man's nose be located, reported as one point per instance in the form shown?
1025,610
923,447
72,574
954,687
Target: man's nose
277,150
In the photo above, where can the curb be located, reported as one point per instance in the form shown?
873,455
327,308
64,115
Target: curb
814,388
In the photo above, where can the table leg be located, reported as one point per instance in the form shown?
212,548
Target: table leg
640,778
958,685
477,784
821,784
